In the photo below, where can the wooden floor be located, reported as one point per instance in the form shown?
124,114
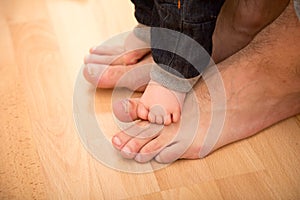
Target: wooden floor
42,43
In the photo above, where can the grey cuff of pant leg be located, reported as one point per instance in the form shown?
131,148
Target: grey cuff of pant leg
171,81
142,32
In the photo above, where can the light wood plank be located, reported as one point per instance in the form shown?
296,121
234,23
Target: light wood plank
237,158
246,186
279,149
21,173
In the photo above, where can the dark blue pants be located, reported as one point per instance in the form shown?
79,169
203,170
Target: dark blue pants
195,18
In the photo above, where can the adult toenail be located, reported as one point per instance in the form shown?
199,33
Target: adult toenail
139,158
127,151
93,71
117,141
159,159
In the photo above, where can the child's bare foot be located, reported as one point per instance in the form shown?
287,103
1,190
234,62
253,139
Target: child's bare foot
158,105
105,65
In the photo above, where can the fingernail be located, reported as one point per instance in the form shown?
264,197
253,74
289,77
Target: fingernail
117,141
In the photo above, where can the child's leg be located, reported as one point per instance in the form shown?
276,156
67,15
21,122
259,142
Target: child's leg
194,19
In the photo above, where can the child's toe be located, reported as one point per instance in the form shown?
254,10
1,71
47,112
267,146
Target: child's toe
167,120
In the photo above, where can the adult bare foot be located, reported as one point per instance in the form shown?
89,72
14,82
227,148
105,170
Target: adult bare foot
262,85
105,65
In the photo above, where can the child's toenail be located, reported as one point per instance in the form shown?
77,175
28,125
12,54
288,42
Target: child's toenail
133,61
125,104
117,141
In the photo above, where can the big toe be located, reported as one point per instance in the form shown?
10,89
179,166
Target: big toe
125,110
92,72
